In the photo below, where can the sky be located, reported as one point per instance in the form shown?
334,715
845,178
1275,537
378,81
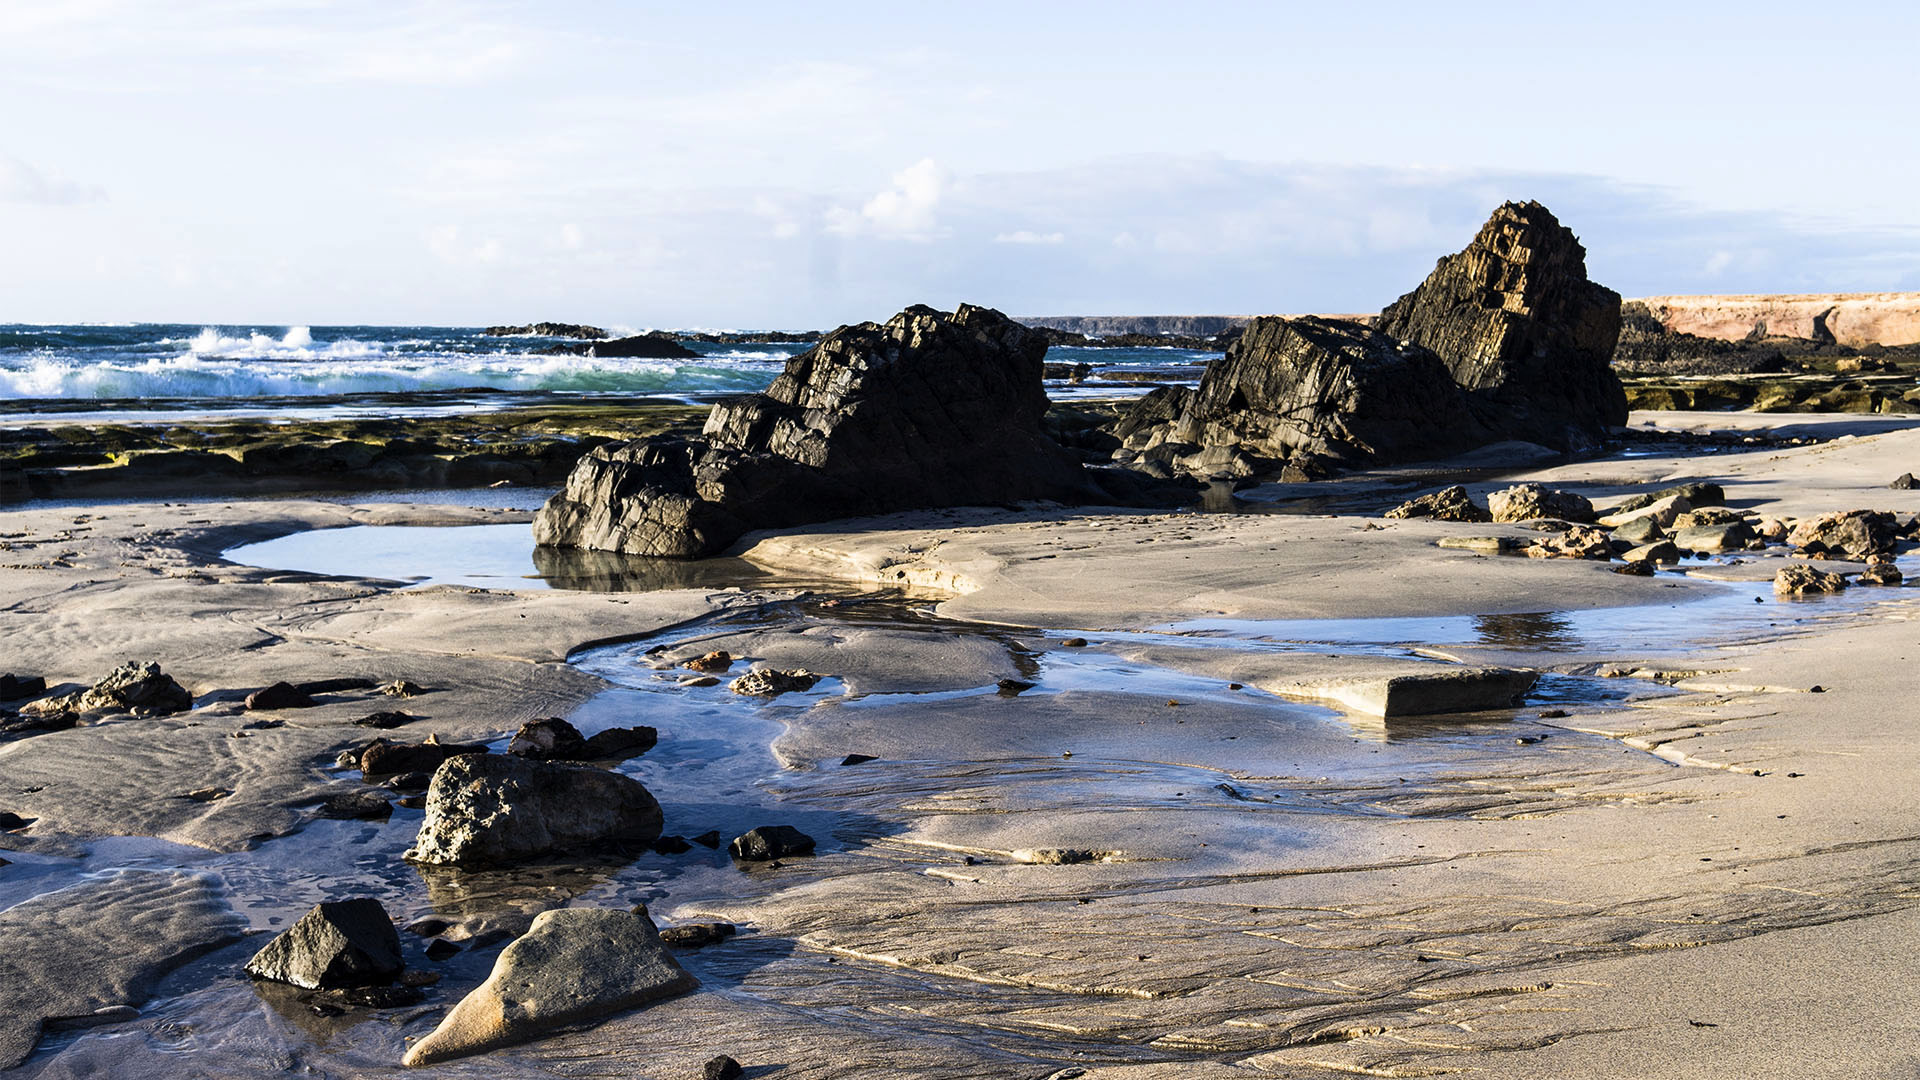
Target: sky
799,166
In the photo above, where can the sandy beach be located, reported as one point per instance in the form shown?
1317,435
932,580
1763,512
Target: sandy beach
1638,872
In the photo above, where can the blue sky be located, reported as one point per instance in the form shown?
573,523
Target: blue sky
795,166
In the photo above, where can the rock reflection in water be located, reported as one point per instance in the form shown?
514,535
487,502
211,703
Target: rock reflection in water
1549,630
611,571
480,902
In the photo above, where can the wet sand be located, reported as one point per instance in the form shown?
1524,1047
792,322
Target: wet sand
1271,886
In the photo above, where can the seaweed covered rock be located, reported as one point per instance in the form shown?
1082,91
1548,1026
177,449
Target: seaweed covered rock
1308,388
1522,329
931,409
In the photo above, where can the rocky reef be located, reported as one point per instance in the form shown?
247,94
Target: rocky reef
1507,339
930,409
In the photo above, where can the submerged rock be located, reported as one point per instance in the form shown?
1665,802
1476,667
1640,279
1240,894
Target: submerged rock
1881,571
928,410
696,935
338,944
553,739
574,965
712,663
136,687
1522,329
769,842
1447,504
495,808
1803,580
1528,502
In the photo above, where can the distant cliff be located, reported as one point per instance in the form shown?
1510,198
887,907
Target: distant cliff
1853,320
1161,325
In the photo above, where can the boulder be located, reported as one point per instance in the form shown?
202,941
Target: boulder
722,1068
1803,580
1578,542
494,808
1881,571
1853,534
1696,493
1447,504
1708,515
1522,329
769,842
281,695
1325,390
928,410
136,687
712,663
338,944
1644,529
1714,539
548,329
1660,551
574,965
640,347
384,758
549,739
1527,502
1662,512
1904,482
620,743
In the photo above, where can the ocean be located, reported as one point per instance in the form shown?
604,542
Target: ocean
107,372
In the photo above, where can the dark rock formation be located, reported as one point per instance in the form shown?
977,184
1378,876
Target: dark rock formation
1528,502
1307,387
769,842
495,808
281,695
548,329
1447,504
722,1068
1647,347
553,739
929,410
384,758
1522,330
696,935
14,687
338,944
772,682
654,346
1854,534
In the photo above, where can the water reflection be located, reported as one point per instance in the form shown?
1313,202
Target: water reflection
613,571
1545,630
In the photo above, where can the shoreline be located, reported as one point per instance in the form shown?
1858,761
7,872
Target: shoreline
1293,871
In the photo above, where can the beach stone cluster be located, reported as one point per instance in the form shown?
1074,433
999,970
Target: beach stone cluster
930,409
1506,340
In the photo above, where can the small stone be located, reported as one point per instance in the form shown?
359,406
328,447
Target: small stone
428,927
338,944
137,687
1904,482
441,949
1881,573
9,821
574,965
767,682
618,744
1638,568
697,681
1802,580
1013,687
1660,551
1528,502
769,842
1447,504
695,935
423,978
357,806
207,794
856,759
709,839
672,845
402,688
1073,643
712,663
549,739
722,1068
281,695
384,721
1054,856
384,758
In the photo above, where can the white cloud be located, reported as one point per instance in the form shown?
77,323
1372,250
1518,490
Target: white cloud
451,245
905,210
1717,263
1025,236
22,183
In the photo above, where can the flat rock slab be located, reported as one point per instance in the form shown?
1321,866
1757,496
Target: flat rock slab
101,945
1448,690
574,965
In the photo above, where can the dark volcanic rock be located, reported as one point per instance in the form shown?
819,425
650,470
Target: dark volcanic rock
1322,388
384,758
770,842
929,410
280,695
643,347
722,1068
495,808
548,329
1522,330
14,687
621,742
338,944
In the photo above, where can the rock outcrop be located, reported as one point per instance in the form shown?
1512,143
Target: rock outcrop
487,809
654,346
928,410
574,965
136,687
1522,329
1309,390
548,329
1506,340
1852,320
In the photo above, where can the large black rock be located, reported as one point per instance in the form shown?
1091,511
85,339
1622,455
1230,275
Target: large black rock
1522,329
1324,390
929,410
339,943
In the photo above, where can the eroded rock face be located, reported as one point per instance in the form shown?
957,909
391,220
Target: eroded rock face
1447,504
928,410
338,944
488,809
1802,580
1522,329
136,686
573,965
1853,534
1318,388
1527,502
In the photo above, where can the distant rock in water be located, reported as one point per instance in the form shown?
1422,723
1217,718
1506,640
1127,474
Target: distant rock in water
654,346
1521,328
548,329
1506,340
931,409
